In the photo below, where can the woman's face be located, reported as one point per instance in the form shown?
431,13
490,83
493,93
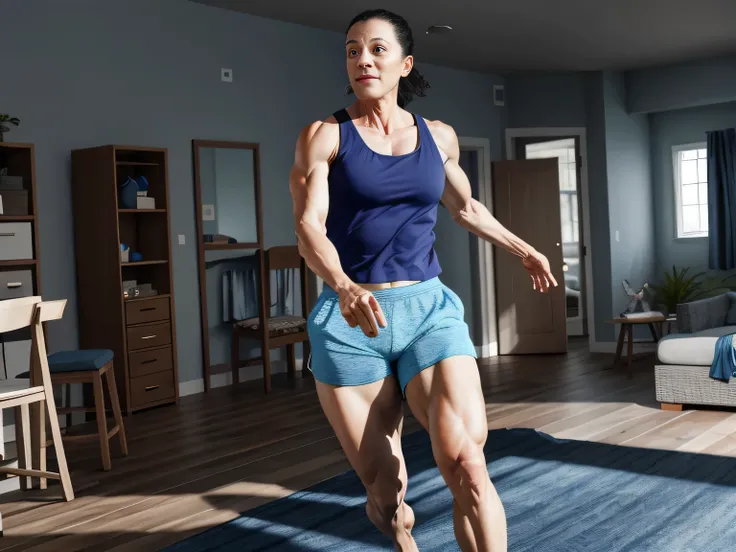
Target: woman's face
375,59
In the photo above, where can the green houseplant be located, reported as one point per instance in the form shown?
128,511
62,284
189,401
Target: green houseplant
679,286
6,120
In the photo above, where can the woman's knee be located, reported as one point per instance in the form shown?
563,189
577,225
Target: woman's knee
458,450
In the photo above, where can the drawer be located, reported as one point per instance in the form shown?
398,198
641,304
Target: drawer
151,388
140,311
16,241
16,283
150,335
145,363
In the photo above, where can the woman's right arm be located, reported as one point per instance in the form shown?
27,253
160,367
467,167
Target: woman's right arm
315,148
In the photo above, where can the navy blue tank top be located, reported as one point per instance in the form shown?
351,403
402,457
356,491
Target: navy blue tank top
383,208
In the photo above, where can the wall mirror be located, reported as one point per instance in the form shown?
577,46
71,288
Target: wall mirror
229,232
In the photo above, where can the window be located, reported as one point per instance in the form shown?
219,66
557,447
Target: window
691,190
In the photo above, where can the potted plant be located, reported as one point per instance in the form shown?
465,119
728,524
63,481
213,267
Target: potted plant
6,120
680,287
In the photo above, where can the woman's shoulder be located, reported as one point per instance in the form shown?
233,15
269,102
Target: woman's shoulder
321,135
443,134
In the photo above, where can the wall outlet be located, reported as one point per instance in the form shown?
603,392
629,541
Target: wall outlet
181,239
226,75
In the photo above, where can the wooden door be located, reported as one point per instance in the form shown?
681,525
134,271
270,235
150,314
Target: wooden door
526,199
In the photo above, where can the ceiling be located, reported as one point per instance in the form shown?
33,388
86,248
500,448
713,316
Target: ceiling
535,35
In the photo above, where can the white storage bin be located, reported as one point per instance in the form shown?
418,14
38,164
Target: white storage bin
16,241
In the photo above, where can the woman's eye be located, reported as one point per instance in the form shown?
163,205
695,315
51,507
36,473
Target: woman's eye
380,48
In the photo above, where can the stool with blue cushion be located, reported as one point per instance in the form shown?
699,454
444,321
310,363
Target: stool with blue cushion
88,366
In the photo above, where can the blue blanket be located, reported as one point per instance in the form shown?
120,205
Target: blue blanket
724,360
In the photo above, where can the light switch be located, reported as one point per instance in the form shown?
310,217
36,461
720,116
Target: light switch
617,236
181,239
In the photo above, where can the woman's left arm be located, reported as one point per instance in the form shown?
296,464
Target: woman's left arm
475,217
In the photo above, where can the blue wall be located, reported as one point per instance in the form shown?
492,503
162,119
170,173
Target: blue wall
706,82
99,85
630,205
546,100
671,128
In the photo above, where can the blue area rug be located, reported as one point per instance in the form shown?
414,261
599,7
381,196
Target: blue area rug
561,496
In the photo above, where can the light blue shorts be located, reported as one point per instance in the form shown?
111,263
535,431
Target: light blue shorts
425,325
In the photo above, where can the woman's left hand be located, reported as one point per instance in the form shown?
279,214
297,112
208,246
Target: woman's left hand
538,267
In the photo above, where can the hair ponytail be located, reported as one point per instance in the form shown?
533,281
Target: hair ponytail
414,84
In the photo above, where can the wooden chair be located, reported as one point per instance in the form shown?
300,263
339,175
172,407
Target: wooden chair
16,314
276,331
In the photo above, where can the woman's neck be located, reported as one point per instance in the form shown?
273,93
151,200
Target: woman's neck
383,114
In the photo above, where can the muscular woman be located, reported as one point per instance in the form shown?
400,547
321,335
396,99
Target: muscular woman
366,184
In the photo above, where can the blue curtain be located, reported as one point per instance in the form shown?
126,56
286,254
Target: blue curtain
722,199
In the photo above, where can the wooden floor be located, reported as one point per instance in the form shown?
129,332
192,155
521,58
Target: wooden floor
215,455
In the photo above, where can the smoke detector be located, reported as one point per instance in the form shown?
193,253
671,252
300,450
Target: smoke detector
439,29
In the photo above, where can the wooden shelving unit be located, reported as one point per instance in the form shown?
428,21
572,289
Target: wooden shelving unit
19,230
141,331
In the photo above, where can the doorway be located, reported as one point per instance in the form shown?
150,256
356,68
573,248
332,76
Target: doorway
568,146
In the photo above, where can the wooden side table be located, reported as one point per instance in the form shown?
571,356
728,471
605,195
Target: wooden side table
627,331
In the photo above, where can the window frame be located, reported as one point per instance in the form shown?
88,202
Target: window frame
676,179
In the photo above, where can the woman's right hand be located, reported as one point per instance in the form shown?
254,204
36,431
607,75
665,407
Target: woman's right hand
360,308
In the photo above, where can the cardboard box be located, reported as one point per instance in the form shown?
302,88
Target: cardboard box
146,202
11,182
15,202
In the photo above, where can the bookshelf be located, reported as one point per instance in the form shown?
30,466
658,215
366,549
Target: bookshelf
140,330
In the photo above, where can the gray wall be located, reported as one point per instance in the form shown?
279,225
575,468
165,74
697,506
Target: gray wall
692,84
671,128
546,100
600,246
630,206
96,85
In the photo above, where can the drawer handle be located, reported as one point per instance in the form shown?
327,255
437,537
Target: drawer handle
7,234
148,336
152,387
148,309
14,284
149,361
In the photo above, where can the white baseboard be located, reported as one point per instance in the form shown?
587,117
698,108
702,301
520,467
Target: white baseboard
247,373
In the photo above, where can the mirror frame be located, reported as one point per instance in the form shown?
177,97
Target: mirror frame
202,247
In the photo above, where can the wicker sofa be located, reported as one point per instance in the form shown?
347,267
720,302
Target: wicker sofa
684,358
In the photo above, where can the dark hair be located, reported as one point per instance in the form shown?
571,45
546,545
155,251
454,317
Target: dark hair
414,84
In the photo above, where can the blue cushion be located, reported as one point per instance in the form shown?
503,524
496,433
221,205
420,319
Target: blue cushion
77,361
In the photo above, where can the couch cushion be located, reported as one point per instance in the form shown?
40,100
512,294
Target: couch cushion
731,315
696,349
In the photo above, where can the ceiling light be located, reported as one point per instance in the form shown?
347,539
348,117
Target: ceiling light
439,29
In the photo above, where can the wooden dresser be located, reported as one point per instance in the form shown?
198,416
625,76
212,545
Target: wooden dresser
139,328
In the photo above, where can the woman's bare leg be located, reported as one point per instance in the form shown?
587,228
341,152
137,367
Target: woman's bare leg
367,421
447,399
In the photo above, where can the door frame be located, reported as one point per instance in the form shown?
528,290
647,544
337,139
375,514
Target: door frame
487,282
580,132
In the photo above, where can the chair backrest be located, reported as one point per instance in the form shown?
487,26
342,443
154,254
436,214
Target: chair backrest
284,257
24,312
16,314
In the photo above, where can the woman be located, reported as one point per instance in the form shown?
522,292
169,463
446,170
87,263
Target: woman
366,184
